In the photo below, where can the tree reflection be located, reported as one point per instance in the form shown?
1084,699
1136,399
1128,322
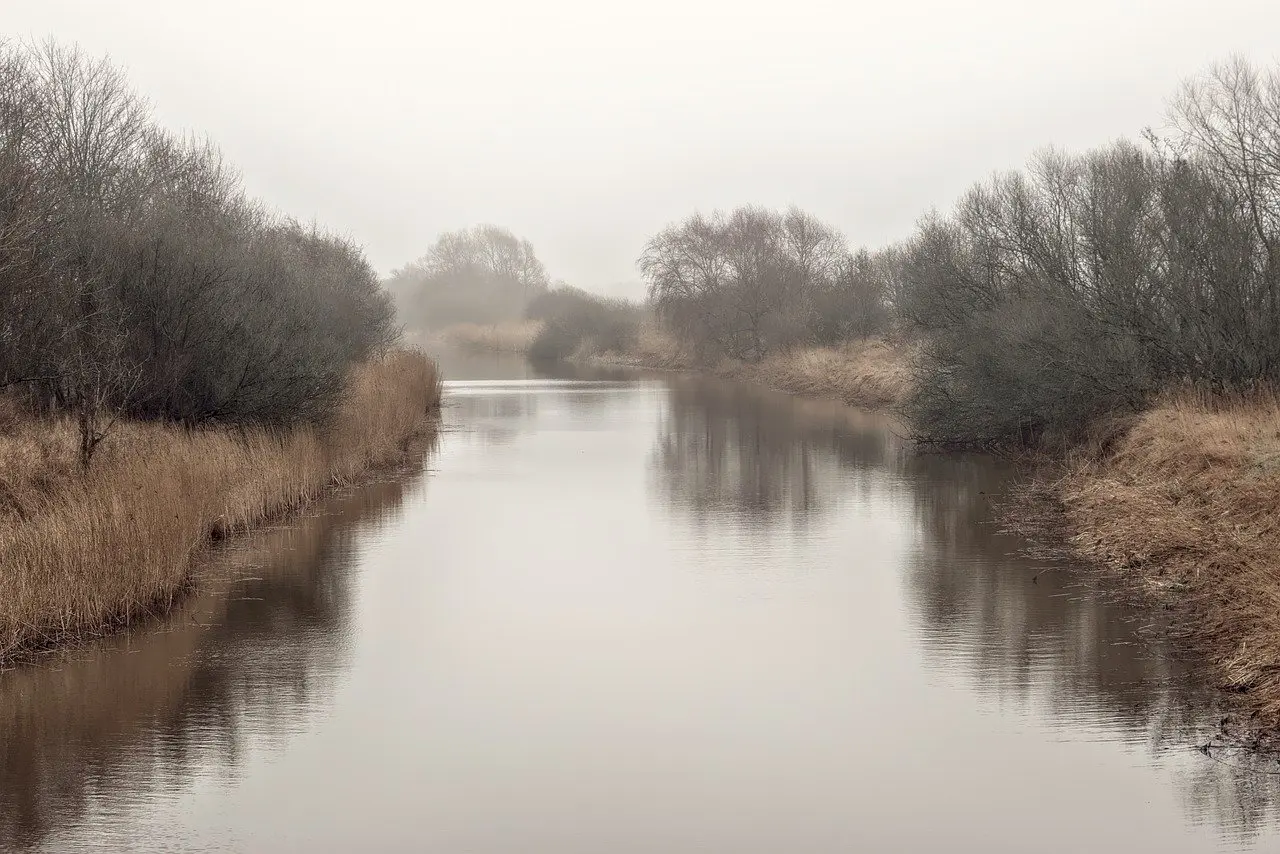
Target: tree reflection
1043,637
730,450
494,416
1045,634
237,665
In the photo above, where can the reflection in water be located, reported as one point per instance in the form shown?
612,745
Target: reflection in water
1045,637
239,666
1033,635
628,616
735,451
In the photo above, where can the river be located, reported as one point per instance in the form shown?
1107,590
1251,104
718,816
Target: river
620,613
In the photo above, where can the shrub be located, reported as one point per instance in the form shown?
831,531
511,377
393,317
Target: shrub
574,320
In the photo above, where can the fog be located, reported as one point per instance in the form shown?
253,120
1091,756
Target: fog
586,127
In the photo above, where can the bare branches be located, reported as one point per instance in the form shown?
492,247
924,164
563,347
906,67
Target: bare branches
136,278
749,282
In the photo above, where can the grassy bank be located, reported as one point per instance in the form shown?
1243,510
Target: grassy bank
872,373
87,550
1187,502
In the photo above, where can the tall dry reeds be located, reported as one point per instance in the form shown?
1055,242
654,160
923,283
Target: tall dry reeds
81,551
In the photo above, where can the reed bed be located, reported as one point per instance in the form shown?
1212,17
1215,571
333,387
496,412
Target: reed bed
82,551
872,373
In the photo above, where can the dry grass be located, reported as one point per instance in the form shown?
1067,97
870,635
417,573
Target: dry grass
512,336
84,551
871,373
1189,499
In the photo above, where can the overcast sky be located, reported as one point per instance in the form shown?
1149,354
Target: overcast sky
587,126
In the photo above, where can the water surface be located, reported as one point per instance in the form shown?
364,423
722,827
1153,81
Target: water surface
621,614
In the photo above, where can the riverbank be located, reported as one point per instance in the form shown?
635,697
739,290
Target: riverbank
89,551
513,336
1186,501
873,373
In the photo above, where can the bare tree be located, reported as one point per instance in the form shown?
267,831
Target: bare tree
482,275
742,284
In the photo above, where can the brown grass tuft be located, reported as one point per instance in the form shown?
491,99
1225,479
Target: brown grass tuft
1189,499
512,336
81,551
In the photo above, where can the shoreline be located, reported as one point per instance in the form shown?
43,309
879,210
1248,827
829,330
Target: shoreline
94,552
1180,502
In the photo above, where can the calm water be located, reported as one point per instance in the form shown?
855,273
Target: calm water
632,615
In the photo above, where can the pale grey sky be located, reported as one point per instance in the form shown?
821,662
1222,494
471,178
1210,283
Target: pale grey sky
587,126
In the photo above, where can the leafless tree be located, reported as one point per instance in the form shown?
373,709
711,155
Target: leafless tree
481,275
742,284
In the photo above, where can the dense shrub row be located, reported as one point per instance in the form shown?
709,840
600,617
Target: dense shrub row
1089,283
137,278
1081,286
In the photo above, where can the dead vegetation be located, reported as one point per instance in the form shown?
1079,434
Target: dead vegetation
1187,501
508,336
86,550
871,373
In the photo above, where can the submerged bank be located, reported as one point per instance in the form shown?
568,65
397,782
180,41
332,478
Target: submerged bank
89,550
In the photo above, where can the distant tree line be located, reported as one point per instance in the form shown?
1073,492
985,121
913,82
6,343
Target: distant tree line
137,278
1080,286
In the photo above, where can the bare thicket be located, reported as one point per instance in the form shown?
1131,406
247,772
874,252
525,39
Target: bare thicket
574,321
136,278
478,275
750,282
1089,283
1045,298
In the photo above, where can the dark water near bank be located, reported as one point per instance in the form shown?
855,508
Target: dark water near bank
621,615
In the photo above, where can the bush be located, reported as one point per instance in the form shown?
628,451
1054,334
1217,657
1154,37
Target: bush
574,320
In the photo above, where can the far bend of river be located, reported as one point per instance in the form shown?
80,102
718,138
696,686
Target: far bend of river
620,614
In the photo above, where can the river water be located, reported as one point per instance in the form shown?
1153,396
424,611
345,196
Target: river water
612,613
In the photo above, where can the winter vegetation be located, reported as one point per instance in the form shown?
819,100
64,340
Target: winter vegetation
176,360
1117,308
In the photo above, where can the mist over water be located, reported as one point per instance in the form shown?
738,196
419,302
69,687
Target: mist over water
633,614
